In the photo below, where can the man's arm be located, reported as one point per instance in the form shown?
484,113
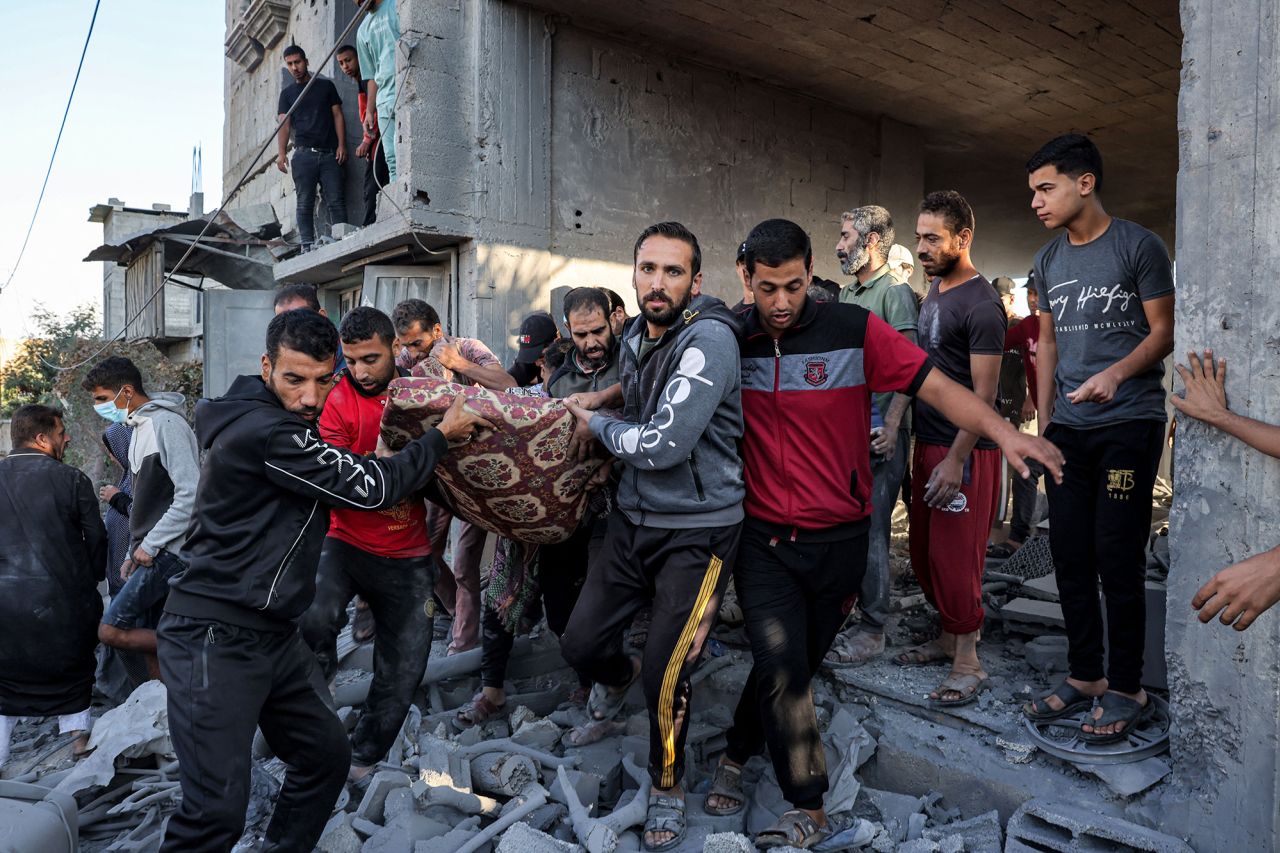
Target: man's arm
1243,592
492,375
685,408
1206,400
903,314
371,113
975,416
582,442
180,457
92,530
1046,367
1101,387
340,125
282,143
948,476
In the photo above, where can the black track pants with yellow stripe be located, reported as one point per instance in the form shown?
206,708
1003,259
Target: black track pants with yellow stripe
684,573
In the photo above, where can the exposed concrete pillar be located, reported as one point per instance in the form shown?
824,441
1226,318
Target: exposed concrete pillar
898,184
1225,685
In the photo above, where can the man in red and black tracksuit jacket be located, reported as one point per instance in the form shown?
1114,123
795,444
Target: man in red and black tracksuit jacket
808,371
383,556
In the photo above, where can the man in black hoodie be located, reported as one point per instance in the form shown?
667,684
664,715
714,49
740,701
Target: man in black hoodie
230,651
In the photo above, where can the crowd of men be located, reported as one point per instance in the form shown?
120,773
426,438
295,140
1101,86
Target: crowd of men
764,443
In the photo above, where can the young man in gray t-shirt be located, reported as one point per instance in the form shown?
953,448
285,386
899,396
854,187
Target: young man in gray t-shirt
1106,323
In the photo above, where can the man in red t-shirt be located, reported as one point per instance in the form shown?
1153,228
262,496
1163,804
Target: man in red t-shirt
383,556
1023,337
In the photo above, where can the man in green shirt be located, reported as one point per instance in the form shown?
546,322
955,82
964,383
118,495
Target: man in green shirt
866,235
376,49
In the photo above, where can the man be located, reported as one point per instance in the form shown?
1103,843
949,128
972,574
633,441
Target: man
230,651
1243,592
866,233
617,311
165,464
901,263
1012,395
1022,338
384,557
53,549
290,297
376,49
427,351
680,507
589,376
536,332
807,374
1107,288
955,473
375,170
740,267
319,144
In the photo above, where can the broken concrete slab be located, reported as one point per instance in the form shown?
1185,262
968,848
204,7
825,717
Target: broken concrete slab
375,796
1129,779
1044,825
1025,614
450,842
503,773
1042,588
399,801
338,836
522,838
727,842
604,761
1047,654
402,833
587,786
894,808
919,845
981,834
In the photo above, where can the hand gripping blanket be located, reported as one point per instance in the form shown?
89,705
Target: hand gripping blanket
517,480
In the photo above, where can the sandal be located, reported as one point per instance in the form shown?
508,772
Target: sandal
1072,701
604,703
1116,709
666,814
727,785
794,829
479,710
363,627
968,685
924,654
855,649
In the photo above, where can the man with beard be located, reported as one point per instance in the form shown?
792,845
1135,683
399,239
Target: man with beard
230,652
53,554
866,234
680,507
382,556
956,473
808,371
589,377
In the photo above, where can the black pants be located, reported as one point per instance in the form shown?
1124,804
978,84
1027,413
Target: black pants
685,573
312,167
224,681
1099,522
562,569
398,592
375,175
1025,494
791,594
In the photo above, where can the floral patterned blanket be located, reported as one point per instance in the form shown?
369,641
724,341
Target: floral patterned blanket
517,480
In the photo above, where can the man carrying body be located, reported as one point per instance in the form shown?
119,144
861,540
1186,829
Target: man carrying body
319,144
1106,287
376,50
53,548
375,169
536,332
230,650
680,507
165,463
589,376
1023,338
384,556
807,375
427,351
865,236
955,472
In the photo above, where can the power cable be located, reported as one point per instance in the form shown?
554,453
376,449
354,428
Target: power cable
58,141
253,164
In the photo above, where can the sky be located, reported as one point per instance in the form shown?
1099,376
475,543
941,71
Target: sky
150,91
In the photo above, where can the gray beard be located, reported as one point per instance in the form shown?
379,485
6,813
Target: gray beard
852,264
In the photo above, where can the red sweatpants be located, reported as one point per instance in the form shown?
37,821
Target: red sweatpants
949,545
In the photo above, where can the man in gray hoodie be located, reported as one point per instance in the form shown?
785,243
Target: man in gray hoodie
675,536
165,463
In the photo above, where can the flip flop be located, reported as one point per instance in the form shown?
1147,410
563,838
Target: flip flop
1072,701
603,704
916,657
958,684
1117,709
726,784
479,710
666,814
794,829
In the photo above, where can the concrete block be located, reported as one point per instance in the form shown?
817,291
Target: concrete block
522,838
920,845
587,786
399,801
1129,779
1042,588
338,836
544,818
364,827
951,844
375,796
727,842
894,808
1046,825
539,734
402,833
604,761
450,842
1027,614
1047,654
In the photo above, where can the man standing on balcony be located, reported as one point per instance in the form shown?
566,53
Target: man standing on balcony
375,170
376,47
319,143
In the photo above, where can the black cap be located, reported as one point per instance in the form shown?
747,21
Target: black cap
536,331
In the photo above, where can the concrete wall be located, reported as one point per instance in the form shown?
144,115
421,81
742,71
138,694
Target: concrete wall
117,225
251,98
1225,683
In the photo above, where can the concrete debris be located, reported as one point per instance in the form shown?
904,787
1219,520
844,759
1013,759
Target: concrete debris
919,845
915,826
375,796
1025,614
401,834
981,834
1047,654
1129,779
727,842
585,785
503,773
1043,825
1018,748
521,838
138,727
338,836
